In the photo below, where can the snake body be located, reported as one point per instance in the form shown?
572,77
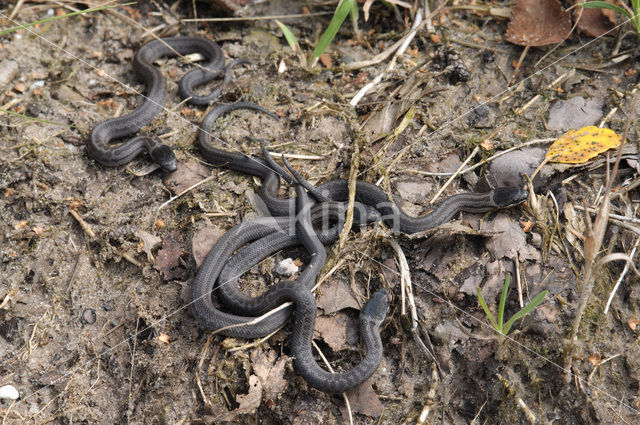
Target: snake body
266,232
99,145
297,292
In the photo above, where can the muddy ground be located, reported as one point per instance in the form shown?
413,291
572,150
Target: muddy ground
95,262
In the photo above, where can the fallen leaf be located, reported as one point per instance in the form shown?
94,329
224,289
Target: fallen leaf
508,240
574,113
538,23
595,22
188,173
168,259
364,400
335,330
251,401
203,241
336,295
269,368
578,146
163,338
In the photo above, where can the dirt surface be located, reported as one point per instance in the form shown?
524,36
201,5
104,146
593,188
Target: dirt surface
96,262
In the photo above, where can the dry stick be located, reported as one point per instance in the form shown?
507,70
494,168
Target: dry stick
550,86
193,186
464,164
611,215
519,281
16,9
481,163
326,362
592,244
85,226
353,175
518,65
405,43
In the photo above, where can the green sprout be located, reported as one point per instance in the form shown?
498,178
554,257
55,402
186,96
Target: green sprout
501,327
345,7
632,13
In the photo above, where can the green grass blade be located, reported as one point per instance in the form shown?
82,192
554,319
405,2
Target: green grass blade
338,18
605,5
526,310
66,15
292,40
483,303
503,301
6,111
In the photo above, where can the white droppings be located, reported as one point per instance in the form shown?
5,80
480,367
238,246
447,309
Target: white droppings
286,267
9,392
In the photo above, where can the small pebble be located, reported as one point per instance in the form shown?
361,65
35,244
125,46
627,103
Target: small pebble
9,392
8,71
286,267
108,305
89,316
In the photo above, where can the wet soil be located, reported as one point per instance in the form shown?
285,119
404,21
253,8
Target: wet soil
93,324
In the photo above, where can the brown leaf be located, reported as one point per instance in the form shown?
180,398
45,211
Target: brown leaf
336,295
364,400
168,259
538,23
203,241
337,331
596,22
188,173
269,368
509,240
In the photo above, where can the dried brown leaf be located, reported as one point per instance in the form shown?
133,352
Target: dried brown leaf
595,22
336,295
269,368
364,400
203,241
168,259
188,173
334,330
538,23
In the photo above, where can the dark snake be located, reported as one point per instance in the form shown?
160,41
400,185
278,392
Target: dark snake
100,144
370,198
297,292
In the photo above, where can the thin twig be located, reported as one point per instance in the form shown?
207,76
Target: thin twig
403,46
457,172
344,395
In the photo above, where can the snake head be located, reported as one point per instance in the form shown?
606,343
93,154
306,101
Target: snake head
376,308
164,157
364,214
504,197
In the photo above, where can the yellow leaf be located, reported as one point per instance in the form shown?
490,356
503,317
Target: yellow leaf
578,146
